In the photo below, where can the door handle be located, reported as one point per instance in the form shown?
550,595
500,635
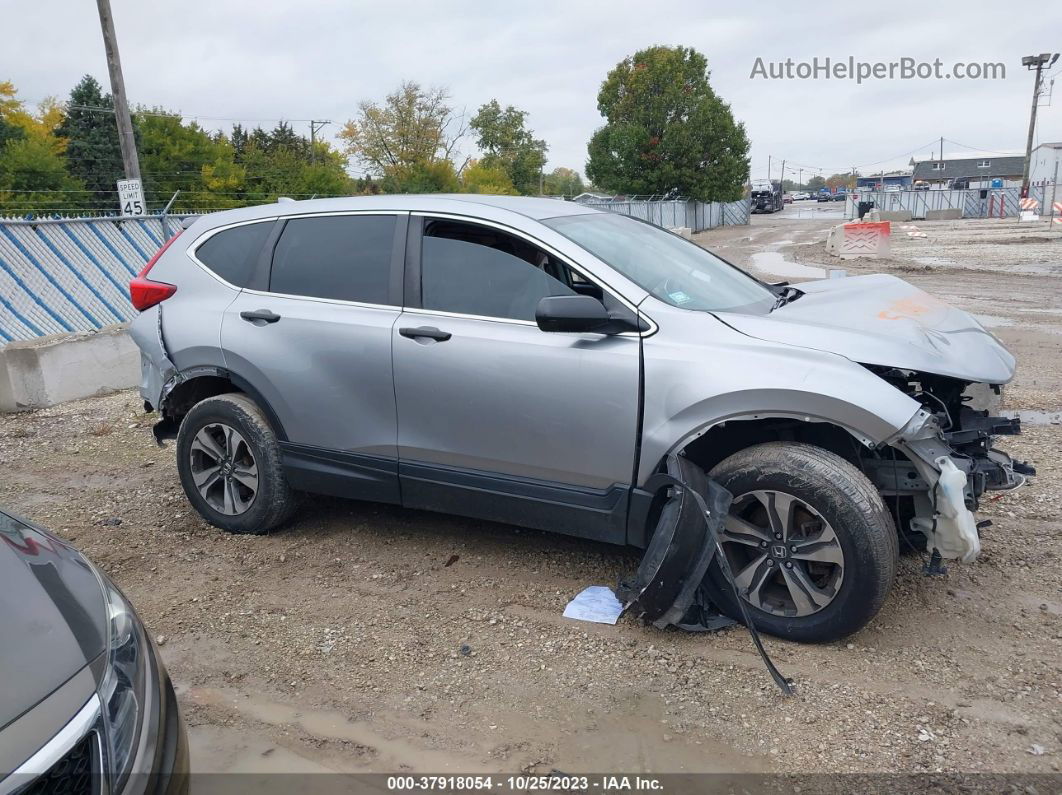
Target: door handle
425,331
259,316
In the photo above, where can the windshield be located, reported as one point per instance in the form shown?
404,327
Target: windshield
668,267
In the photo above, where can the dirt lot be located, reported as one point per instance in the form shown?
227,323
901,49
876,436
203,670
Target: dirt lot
365,637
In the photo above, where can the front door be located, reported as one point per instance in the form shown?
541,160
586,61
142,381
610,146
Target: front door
497,418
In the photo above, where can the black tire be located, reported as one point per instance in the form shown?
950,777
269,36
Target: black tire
856,515
273,502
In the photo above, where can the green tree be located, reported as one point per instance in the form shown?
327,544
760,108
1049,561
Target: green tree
409,140
842,180
564,182
176,156
283,163
507,143
93,154
482,177
666,130
816,183
33,175
438,176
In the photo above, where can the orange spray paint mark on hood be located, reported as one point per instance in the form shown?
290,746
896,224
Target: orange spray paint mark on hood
912,307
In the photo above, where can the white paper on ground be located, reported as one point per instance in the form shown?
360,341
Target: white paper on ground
597,603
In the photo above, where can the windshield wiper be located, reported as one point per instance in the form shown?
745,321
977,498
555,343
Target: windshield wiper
786,296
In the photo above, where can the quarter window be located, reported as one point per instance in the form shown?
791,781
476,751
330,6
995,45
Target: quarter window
478,270
342,257
232,253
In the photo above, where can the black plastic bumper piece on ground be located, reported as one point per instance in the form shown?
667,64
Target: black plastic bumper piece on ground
674,565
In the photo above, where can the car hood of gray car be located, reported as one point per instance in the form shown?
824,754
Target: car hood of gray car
883,320
53,619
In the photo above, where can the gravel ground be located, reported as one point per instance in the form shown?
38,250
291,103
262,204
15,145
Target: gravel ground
365,637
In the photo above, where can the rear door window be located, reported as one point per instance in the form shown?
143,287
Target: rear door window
341,257
232,253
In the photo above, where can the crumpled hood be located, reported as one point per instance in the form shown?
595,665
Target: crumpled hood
53,619
885,321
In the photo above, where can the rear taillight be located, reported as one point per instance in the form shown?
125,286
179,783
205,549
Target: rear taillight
145,293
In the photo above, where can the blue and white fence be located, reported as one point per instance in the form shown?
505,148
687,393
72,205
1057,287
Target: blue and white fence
63,275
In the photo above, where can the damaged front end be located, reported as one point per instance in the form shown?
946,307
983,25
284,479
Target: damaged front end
935,471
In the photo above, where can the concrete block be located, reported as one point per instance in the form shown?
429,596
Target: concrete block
834,239
38,373
901,216
951,214
682,231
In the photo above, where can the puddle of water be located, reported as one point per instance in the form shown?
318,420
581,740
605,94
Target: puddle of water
386,753
993,321
1036,416
775,263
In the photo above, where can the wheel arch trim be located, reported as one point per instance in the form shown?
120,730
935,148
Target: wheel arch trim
241,384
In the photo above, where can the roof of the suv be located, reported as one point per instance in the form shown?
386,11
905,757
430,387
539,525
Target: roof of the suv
432,202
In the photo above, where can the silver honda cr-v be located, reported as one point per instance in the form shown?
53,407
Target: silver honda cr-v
535,361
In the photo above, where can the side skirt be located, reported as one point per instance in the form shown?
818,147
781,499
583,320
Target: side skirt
598,514
340,474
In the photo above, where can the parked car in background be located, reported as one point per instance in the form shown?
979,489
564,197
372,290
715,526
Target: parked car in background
787,199
86,705
538,362
840,196
824,196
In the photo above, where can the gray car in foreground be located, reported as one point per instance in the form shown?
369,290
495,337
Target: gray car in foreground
536,362
86,705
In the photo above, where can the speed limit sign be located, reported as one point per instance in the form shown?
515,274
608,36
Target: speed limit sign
131,197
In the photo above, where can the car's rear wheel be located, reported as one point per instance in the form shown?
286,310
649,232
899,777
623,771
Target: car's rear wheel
812,547
230,466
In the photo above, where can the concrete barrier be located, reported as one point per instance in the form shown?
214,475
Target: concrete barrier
48,370
952,214
902,216
859,239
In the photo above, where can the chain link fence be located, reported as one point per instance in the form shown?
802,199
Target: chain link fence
675,213
971,203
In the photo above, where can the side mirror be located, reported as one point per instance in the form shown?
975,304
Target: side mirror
571,313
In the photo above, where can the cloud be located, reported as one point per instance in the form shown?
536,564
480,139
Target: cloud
316,59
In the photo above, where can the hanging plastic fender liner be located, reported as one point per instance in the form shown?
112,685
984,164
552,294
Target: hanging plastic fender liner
681,549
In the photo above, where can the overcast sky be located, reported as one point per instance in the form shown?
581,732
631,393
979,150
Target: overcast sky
223,60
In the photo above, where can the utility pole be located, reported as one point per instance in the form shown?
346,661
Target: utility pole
314,127
121,106
1030,62
781,181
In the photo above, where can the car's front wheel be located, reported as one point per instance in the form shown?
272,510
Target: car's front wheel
811,545
229,463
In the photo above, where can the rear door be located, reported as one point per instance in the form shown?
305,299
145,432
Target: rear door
315,343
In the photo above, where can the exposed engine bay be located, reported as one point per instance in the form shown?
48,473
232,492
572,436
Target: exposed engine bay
934,474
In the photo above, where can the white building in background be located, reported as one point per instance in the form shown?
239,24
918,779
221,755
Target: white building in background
1042,164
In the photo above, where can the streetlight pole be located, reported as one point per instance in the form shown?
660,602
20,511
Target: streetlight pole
1037,62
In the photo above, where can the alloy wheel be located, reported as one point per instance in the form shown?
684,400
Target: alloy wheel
785,556
224,469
